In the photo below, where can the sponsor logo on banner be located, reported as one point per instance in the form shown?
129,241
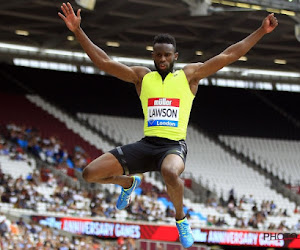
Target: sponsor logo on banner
163,112
114,229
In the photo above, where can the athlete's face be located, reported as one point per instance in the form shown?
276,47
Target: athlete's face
164,56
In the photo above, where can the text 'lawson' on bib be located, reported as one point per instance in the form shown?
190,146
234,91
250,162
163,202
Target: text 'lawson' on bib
163,112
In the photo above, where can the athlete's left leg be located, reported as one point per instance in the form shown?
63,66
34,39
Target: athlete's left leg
171,168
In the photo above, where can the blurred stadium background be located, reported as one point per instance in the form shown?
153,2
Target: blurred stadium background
58,112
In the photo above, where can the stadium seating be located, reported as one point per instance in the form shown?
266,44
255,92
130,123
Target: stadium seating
23,112
280,157
219,111
16,168
206,160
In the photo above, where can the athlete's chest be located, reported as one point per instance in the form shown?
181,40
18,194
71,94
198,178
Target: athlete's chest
158,87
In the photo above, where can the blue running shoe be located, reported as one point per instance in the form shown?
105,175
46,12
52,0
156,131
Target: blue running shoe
185,233
124,198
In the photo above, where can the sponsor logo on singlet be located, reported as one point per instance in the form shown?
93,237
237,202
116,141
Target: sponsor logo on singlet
163,112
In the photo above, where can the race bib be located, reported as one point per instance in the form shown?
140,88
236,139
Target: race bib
163,112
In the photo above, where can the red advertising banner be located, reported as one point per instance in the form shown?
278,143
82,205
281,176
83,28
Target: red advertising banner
114,229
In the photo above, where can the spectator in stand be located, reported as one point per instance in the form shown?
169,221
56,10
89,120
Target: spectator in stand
231,197
279,212
21,222
231,208
272,226
222,202
254,208
241,204
265,208
297,226
211,220
14,228
251,200
4,148
285,213
282,226
169,212
221,222
121,242
272,207
3,226
130,244
48,149
240,223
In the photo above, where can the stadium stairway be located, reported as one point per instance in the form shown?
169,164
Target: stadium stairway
276,183
279,157
279,179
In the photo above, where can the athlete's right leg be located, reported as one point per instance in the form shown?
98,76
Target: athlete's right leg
106,169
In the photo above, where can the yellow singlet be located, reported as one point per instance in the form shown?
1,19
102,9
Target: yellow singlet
166,105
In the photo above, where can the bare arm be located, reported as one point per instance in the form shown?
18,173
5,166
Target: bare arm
96,54
195,72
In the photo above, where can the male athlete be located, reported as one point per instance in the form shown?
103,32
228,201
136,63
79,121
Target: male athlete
166,99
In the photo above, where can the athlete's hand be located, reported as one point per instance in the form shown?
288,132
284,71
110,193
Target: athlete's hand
72,21
269,23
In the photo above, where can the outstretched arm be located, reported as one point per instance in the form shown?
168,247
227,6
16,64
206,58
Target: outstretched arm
195,72
96,54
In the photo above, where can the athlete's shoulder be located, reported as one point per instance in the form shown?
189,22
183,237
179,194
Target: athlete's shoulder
151,73
141,71
140,68
191,69
178,72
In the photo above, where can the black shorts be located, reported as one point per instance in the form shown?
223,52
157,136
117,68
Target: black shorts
148,154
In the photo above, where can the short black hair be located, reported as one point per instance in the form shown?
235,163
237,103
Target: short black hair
165,38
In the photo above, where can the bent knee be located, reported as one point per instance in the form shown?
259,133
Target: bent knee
169,175
87,174
102,168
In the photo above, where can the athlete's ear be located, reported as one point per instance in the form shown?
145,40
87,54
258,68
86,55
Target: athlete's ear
176,56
